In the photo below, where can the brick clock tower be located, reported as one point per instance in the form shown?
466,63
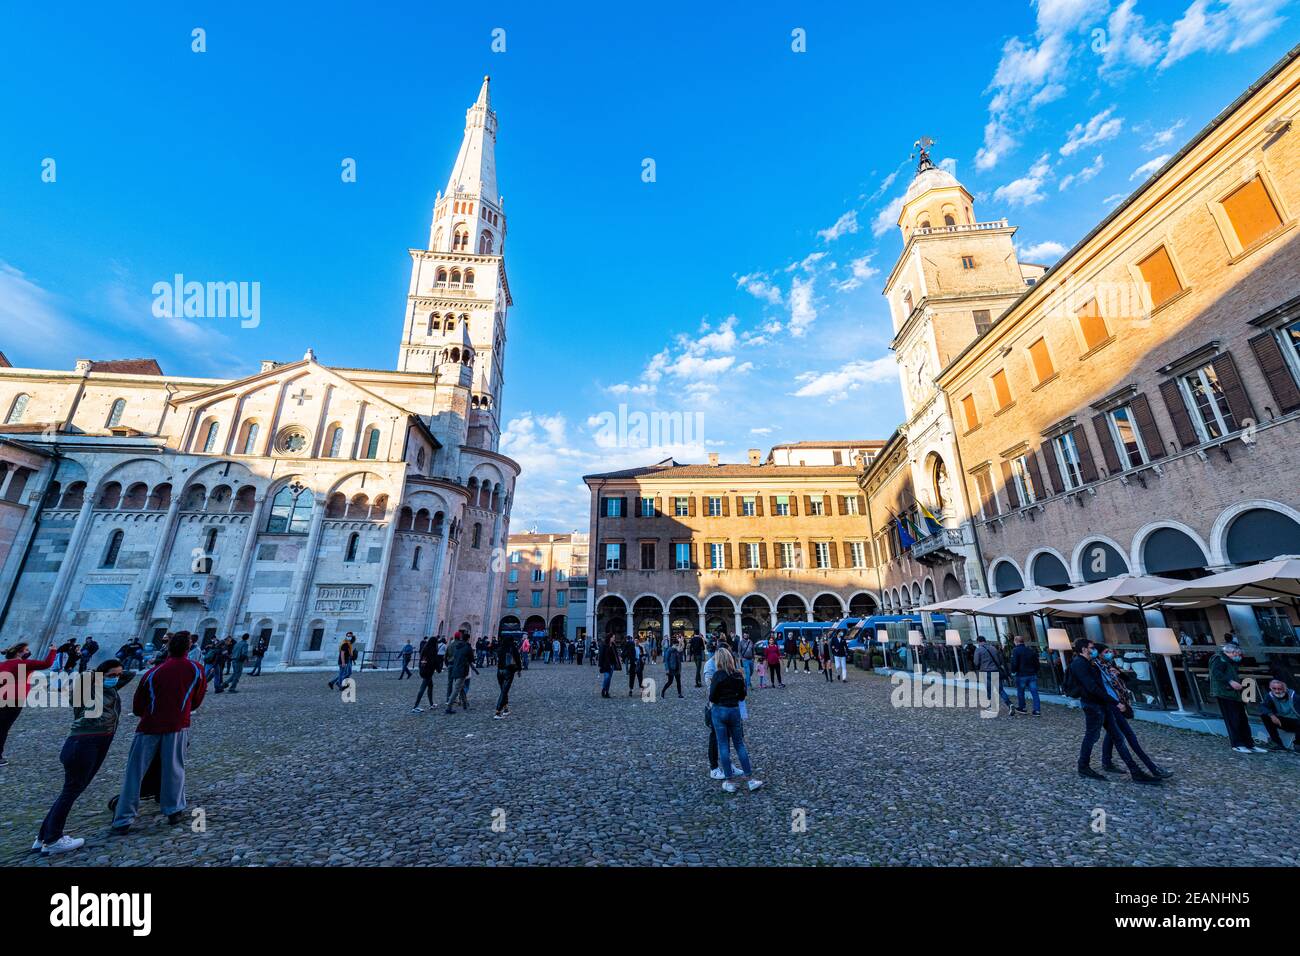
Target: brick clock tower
955,276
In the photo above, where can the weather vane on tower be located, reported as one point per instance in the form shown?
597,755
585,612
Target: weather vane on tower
923,146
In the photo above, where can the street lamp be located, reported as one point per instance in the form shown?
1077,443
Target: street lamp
882,638
915,640
952,637
1164,642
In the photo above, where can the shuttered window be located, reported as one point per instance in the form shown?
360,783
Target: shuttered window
988,501
1278,354
972,414
1038,354
1211,415
1162,281
1066,450
1126,437
1001,390
1251,211
1092,325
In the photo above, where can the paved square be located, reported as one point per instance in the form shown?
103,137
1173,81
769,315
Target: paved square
287,773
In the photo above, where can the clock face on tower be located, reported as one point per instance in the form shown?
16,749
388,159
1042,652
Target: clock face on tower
919,383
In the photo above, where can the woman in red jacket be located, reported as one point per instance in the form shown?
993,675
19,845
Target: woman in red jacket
773,654
15,680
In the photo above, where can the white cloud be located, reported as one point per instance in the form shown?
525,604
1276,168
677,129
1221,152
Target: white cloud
847,224
884,186
1028,189
1085,174
1162,137
721,339
807,264
861,269
1100,128
998,142
1128,41
1113,199
760,431
1149,167
1213,26
835,385
887,218
803,310
1042,252
757,285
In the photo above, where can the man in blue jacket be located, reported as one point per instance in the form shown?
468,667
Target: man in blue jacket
1279,712
1024,667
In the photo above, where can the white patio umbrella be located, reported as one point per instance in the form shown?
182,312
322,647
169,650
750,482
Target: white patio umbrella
966,604
1042,602
1276,580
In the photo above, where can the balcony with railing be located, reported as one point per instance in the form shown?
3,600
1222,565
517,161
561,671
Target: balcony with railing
960,228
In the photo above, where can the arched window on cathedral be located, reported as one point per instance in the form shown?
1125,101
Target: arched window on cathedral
451,324
248,444
477,538
415,561
113,550
485,243
433,324
115,413
948,220
210,432
372,443
353,540
290,511
334,441
469,277
17,408
455,278
440,277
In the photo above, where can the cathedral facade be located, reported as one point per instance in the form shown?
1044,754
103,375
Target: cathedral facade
298,503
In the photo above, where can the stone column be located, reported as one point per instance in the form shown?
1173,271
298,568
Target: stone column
701,622
435,592
71,558
308,571
246,558
738,625
630,624
489,619
668,626
166,540
809,615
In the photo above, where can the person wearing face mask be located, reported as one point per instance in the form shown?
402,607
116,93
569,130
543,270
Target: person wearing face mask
1280,713
1098,714
83,753
15,681
1113,678
1226,690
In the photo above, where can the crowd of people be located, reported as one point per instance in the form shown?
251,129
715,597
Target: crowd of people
172,688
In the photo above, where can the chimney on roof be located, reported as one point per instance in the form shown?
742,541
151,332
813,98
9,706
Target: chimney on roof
713,458
754,455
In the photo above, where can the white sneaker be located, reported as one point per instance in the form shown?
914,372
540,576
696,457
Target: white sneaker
728,786
64,844
415,710
1243,750
717,774
498,716
754,785
1259,750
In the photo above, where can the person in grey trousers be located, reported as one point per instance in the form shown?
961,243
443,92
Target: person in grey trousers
460,661
238,657
164,699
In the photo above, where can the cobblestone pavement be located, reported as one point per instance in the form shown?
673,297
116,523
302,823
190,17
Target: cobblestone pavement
287,773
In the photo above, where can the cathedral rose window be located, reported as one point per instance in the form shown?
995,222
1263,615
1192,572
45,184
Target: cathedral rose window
292,441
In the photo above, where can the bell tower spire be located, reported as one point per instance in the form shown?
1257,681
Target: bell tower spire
459,295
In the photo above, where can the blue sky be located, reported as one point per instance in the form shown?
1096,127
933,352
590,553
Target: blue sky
742,284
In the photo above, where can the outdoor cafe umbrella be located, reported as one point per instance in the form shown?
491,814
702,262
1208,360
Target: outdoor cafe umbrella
1277,580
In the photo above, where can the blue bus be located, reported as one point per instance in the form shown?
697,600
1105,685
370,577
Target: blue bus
858,630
